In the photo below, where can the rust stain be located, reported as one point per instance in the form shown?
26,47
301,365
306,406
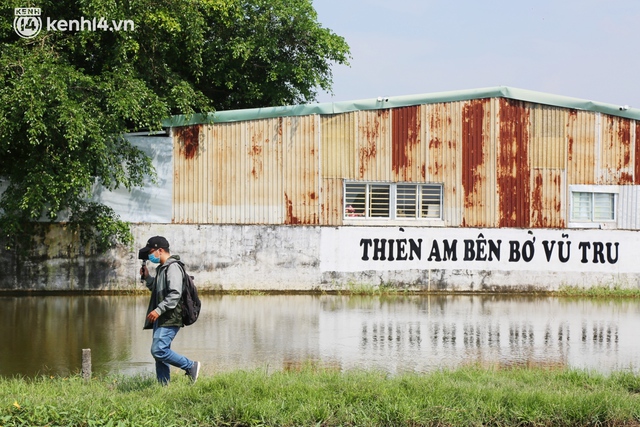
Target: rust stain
537,205
546,203
312,195
624,134
609,126
189,138
435,121
472,150
255,153
626,178
558,219
618,150
404,137
290,219
367,153
570,149
557,206
434,169
513,165
436,143
573,116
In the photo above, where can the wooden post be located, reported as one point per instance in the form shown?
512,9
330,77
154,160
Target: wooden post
86,364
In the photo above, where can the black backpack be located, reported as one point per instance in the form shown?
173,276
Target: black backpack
189,301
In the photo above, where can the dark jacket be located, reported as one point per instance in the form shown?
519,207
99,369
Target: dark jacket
166,292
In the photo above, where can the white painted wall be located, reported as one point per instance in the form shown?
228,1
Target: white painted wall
329,258
151,203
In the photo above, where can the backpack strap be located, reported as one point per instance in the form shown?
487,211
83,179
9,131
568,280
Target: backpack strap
184,272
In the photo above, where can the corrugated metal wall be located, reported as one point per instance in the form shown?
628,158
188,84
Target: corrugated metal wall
338,161
233,176
301,169
408,160
443,126
373,146
504,163
548,157
478,163
615,152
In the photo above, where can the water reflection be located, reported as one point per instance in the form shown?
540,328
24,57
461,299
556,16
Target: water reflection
45,335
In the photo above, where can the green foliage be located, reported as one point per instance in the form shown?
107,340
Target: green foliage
267,52
67,97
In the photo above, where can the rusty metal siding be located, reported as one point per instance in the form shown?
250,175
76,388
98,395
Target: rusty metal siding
581,147
615,151
514,175
407,150
548,136
187,154
548,152
338,146
338,162
228,142
331,201
478,164
373,145
222,142
548,198
234,175
503,163
443,131
300,169
260,189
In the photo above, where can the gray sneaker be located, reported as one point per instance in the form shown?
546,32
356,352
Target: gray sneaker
194,371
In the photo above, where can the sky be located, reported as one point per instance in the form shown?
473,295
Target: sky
587,49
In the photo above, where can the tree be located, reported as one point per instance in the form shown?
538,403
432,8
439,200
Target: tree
68,97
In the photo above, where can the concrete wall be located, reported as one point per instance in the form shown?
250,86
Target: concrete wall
307,258
220,257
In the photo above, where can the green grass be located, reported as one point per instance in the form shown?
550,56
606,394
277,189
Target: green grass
601,291
354,288
311,396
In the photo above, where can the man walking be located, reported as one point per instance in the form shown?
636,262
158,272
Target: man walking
164,314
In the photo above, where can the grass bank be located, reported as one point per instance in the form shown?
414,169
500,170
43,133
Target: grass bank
323,397
601,291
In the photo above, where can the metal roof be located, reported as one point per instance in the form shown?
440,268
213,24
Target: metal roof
403,101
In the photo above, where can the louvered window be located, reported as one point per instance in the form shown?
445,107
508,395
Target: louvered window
592,207
393,200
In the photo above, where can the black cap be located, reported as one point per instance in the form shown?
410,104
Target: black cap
153,243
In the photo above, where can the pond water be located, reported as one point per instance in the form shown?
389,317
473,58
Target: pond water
46,334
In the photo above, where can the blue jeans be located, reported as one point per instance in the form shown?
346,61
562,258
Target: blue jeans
161,351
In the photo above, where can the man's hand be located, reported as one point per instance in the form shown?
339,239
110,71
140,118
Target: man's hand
144,272
153,316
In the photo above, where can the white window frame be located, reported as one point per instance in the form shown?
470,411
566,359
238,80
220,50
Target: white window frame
592,221
361,211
